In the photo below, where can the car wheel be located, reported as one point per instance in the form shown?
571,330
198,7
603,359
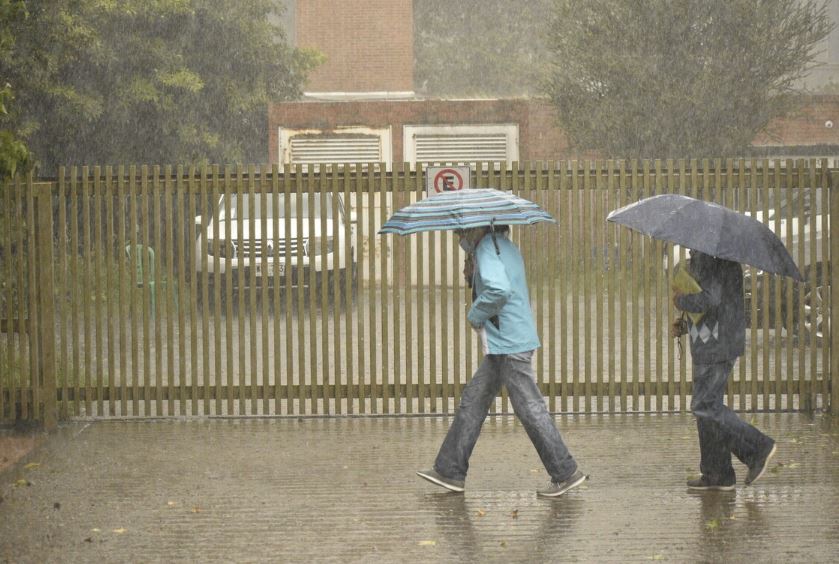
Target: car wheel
352,272
816,320
209,304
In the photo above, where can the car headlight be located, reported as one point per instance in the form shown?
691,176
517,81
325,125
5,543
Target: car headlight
318,245
221,248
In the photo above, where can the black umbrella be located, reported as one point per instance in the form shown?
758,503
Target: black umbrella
710,228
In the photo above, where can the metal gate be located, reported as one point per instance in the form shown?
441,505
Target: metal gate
137,292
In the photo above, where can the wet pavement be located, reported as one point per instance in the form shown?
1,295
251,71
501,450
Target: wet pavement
344,490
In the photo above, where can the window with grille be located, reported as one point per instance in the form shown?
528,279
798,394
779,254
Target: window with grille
344,145
461,143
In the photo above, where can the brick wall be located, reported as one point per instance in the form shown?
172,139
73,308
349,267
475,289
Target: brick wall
806,126
539,139
368,44
539,136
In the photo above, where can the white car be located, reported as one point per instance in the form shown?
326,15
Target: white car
313,249
813,294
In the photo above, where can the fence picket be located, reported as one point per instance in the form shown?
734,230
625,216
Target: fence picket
203,344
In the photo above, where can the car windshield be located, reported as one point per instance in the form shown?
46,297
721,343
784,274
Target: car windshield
249,206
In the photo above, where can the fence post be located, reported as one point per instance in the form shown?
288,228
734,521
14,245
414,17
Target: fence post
46,295
834,295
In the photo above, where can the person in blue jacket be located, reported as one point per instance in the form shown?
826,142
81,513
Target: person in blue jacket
717,338
501,315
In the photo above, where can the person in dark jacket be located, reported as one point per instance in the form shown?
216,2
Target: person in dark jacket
717,338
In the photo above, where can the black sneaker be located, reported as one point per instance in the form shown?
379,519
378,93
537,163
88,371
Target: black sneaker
704,483
436,478
759,468
556,489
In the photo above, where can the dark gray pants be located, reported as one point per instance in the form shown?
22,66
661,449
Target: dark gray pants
721,431
514,371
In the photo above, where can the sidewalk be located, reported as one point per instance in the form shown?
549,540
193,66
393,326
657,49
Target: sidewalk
344,490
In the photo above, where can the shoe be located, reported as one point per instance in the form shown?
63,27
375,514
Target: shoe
759,468
704,483
556,489
435,478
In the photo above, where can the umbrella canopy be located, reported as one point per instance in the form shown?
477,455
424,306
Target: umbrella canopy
465,209
710,228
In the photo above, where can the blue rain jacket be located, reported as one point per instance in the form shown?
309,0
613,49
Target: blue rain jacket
501,287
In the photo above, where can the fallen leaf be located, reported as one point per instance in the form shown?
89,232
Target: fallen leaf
793,465
22,482
31,465
88,539
196,509
96,530
56,505
427,543
171,503
480,513
503,544
119,531
657,557
515,513
712,524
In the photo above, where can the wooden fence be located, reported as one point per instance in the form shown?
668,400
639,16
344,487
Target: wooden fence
112,302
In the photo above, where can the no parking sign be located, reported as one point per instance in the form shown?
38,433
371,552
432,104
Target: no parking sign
446,179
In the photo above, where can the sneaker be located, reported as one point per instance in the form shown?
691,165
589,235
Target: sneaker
756,471
705,483
556,489
435,478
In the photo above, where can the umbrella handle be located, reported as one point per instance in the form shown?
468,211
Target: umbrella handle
492,233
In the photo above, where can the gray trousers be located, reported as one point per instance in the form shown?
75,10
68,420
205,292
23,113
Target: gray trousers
721,431
515,371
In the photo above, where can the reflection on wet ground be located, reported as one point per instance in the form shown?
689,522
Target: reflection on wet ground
344,489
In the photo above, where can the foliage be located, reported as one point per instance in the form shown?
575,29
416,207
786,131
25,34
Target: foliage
673,79
14,155
134,81
478,47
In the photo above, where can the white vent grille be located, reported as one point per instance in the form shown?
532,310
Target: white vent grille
351,144
461,143
350,149
447,148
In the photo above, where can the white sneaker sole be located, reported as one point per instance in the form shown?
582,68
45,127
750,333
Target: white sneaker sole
765,465
439,482
570,486
711,488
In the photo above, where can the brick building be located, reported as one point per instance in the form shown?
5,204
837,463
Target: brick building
360,105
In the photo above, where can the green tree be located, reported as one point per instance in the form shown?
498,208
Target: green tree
478,47
14,155
697,78
150,81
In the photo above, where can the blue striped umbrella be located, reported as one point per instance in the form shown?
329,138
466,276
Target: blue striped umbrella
465,209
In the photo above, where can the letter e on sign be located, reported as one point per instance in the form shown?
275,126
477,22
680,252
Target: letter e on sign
446,179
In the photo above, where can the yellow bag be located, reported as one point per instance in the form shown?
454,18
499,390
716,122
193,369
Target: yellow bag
684,283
